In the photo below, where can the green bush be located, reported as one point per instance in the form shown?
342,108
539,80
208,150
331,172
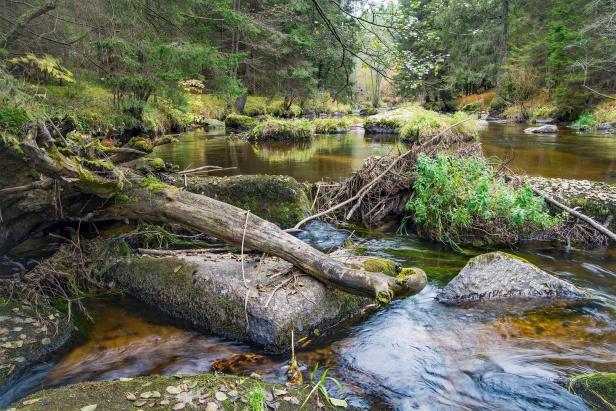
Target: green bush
585,122
390,124
331,125
472,107
240,122
497,105
458,199
278,129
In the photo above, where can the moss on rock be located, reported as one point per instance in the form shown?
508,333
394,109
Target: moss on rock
381,265
279,199
598,390
165,393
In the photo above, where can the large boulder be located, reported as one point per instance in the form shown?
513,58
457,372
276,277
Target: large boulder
501,275
204,392
279,199
598,390
28,335
261,304
546,129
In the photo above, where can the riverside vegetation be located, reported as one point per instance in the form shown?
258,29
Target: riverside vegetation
87,94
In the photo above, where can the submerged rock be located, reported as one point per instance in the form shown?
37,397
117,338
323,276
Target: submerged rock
546,129
27,335
205,391
501,275
598,390
261,305
279,199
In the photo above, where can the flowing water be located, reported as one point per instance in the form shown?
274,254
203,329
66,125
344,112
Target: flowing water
415,353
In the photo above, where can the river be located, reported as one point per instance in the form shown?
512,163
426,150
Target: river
415,353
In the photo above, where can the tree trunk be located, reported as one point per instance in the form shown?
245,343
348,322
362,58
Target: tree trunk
161,203
503,41
240,103
237,226
25,19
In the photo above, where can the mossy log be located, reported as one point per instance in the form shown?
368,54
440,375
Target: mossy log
152,200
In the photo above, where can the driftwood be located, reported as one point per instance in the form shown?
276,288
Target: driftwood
168,204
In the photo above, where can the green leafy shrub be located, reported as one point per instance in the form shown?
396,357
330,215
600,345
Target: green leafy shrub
585,122
497,105
330,125
278,129
370,111
459,200
240,122
472,107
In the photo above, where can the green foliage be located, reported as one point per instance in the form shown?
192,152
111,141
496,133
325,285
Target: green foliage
455,196
331,125
13,119
425,124
585,121
240,122
279,129
256,399
43,68
319,384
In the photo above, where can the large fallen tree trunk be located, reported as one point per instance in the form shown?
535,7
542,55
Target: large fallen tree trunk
150,199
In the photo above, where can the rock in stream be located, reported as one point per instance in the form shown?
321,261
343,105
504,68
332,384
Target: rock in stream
500,275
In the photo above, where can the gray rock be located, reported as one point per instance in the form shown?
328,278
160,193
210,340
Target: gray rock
501,275
548,120
208,291
547,129
610,127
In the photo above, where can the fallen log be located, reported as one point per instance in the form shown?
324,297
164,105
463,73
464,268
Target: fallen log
148,199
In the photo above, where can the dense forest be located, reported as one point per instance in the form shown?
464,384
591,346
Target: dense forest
539,59
307,204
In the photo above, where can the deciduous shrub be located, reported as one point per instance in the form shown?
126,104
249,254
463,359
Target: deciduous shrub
459,200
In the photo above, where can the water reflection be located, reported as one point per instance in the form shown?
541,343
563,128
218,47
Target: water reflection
567,154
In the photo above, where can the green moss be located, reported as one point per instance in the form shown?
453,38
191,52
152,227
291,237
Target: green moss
278,129
154,184
240,122
157,163
122,198
141,143
381,265
98,165
393,125
12,119
598,390
112,395
279,199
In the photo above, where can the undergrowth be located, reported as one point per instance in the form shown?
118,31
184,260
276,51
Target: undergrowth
279,129
459,200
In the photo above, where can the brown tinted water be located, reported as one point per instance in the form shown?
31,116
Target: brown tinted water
413,354
567,155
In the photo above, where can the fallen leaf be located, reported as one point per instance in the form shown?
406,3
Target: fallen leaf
140,403
32,401
131,397
292,400
124,379
46,341
90,407
179,406
220,396
338,403
274,405
278,392
146,395
233,393
211,406
155,394
164,402
173,390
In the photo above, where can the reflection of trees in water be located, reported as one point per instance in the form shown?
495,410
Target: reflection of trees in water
277,152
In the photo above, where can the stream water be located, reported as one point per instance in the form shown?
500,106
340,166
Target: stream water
415,353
